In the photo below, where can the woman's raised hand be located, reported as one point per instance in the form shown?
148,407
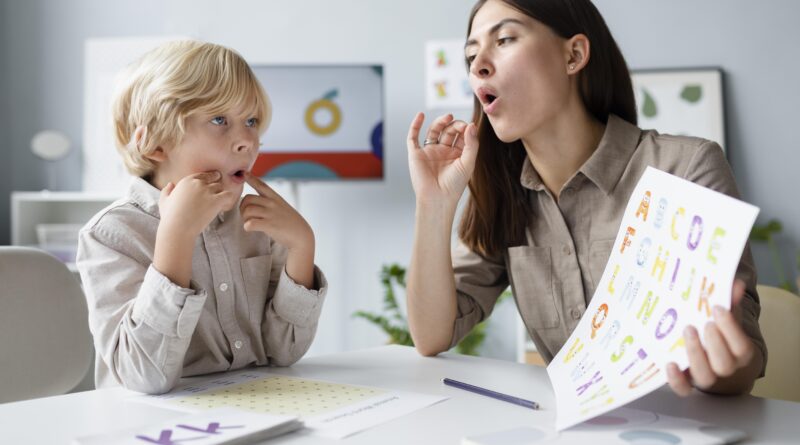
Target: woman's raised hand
442,166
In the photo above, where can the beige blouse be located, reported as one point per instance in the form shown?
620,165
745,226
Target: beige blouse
241,308
554,275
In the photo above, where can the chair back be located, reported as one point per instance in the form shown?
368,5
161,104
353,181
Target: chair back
45,342
780,325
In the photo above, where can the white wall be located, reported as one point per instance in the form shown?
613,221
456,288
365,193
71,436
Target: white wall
361,225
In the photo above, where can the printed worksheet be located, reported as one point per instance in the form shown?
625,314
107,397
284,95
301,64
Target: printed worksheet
674,259
326,408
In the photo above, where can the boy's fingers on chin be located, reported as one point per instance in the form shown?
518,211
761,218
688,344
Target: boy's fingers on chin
259,185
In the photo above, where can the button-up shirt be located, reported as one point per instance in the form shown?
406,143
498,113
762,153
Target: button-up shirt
241,308
569,240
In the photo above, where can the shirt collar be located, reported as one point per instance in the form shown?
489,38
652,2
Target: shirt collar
606,165
146,197
608,162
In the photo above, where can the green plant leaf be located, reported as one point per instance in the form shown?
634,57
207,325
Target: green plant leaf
470,344
649,108
394,323
692,93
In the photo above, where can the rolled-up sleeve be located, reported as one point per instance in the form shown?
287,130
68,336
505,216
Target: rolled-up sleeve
710,169
291,318
141,321
479,283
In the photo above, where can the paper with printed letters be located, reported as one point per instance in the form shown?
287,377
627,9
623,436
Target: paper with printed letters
674,258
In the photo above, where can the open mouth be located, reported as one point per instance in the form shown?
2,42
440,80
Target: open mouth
238,176
488,98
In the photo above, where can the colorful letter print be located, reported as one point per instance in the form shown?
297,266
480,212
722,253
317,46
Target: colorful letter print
675,257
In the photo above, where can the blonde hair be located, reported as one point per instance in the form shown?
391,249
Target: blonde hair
172,82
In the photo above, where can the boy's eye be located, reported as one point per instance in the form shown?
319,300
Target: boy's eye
252,122
219,120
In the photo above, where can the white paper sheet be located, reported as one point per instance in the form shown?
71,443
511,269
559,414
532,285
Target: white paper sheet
622,426
327,409
213,427
674,259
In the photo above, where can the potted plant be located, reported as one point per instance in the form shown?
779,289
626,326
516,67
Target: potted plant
394,323
766,234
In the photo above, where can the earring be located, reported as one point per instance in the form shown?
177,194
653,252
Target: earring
572,67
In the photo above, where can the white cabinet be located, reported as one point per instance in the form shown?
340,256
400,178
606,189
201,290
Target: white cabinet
52,211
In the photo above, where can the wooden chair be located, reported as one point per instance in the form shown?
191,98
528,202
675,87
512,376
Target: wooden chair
780,325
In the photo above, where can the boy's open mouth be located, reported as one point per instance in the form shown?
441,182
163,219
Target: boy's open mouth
238,176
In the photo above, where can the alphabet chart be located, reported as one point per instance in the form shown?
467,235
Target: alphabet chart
674,259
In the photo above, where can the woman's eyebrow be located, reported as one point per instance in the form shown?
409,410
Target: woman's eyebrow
494,29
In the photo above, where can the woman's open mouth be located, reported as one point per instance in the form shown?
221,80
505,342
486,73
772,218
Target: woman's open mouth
488,98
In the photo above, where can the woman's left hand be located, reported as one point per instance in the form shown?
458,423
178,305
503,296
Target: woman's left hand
728,349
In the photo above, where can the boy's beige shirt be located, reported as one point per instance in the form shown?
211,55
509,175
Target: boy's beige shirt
242,308
554,275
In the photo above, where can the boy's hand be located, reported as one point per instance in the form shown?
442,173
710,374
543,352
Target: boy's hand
188,207
267,212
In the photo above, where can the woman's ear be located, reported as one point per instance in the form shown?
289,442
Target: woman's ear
577,53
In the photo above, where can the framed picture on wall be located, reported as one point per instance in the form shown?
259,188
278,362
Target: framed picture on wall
327,123
685,102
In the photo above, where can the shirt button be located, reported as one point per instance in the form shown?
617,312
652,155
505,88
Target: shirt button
576,314
223,287
567,250
237,344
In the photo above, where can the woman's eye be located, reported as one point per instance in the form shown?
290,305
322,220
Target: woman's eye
470,59
252,122
219,120
503,40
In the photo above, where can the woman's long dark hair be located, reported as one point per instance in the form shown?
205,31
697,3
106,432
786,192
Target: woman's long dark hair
498,209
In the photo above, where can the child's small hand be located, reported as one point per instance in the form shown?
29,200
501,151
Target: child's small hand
188,207
267,212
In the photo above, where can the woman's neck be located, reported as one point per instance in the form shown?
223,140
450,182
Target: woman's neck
560,147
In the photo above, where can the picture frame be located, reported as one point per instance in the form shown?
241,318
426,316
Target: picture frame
681,101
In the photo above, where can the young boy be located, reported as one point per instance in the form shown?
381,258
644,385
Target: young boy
179,279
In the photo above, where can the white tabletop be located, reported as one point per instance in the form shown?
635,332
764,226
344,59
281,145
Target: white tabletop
56,420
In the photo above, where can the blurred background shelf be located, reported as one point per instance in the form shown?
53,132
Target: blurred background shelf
50,220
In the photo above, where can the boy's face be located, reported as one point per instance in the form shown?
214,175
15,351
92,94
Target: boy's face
226,142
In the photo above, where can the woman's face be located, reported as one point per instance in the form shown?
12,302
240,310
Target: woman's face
518,70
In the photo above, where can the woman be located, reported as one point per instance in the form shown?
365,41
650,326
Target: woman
551,160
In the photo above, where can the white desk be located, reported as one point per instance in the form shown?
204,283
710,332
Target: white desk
56,420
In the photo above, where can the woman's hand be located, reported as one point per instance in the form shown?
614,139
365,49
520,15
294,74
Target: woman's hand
727,363
441,168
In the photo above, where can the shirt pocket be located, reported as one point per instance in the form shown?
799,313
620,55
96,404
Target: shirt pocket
256,273
599,252
532,279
